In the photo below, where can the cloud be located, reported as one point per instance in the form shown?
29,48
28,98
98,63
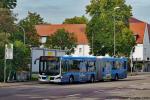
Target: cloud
140,9
54,11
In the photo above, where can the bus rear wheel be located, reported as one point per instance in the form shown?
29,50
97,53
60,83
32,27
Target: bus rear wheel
92,79
71,79
116,77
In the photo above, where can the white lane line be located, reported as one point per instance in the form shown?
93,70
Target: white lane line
73,95
98,91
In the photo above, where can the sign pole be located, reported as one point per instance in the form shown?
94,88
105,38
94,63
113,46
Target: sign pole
8,55
5,70
5,65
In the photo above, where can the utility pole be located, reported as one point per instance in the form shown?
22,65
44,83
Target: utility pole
115,31
5,69
92,43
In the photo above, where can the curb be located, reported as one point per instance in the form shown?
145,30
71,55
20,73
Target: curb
17,84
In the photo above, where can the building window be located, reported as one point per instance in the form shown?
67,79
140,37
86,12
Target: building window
43,39
144,51
80,50
136,36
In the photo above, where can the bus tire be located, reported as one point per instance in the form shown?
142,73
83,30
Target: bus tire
92,79
116,77
71,79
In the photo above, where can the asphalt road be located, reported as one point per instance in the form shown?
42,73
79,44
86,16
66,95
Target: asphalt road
132,88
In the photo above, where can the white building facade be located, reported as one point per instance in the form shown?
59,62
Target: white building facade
141,53
80,50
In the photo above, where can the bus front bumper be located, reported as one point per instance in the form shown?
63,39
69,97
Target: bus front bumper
55,79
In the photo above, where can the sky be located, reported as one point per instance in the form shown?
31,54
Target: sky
55,11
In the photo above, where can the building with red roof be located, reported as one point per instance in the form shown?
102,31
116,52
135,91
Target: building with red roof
77,29
141,32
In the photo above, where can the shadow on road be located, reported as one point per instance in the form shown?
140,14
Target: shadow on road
81,83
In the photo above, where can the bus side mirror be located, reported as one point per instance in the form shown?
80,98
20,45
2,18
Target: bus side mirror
36,60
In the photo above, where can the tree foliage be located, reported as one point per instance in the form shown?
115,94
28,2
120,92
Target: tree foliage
4,39
29,26
7,19
7,28
9,4
21,56
101,27
76,20
62,40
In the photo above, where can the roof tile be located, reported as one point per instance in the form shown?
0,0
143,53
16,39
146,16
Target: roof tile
78,30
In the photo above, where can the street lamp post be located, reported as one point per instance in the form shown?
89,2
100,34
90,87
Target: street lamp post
92,43
131,66
24,36
115,31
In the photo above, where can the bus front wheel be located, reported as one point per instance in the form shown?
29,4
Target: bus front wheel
71,79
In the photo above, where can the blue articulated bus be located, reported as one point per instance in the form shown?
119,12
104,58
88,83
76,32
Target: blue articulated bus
69,69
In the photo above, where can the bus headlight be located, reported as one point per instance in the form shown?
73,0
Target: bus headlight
59,77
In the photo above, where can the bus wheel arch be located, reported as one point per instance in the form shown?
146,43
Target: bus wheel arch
116,77
71,79
92,78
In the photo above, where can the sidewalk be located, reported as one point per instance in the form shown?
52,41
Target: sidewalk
17,83
138,73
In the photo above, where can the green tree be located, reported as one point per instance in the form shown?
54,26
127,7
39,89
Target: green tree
62,40
9,4
21,56
7,19
7,28
100,29
29,26
76,20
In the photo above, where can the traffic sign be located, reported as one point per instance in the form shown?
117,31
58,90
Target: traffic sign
9,51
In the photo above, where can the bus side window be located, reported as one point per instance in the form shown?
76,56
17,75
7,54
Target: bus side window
64,66
74,65
103,65
113,65
118,65
125,64
90,66
70,65
83,67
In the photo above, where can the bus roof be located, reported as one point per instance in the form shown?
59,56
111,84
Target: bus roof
78,57
94,58
113,59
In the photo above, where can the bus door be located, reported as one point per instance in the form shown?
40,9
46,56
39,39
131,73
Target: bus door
108,70
122,69
83,76
98,70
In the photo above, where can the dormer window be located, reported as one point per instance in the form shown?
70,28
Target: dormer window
136,36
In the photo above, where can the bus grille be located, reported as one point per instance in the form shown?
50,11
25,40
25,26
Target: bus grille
51,78
43,78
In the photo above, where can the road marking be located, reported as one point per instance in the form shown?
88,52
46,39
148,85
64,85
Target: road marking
36,97
23,95
98,91
73,95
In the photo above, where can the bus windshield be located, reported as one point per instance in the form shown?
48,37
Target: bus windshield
49,66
